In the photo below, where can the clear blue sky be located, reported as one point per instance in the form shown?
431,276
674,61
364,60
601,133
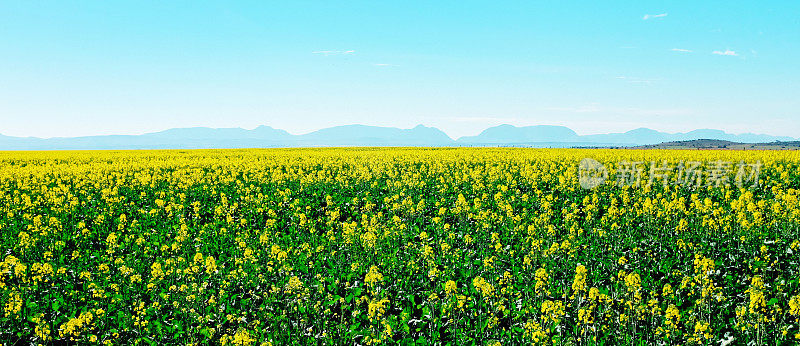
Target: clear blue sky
70,68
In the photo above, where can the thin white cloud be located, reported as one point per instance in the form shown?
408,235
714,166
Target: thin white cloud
647,81
483,119
651,16
627,111
333,52
681,50
384,65
589,108
727,52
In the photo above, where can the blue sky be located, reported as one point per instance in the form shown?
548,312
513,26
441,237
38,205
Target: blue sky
70,68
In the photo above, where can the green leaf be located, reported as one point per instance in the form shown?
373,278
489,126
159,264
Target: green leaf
301,266
355,326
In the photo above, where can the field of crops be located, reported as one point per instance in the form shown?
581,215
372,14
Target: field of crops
384,246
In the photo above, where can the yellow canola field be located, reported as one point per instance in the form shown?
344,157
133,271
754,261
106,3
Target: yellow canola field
400,246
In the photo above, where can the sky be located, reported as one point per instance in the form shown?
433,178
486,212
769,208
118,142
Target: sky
75,68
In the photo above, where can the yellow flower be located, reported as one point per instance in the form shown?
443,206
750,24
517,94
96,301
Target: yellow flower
794,306
579,283
376,308
450,287
482,286
211,265
373,277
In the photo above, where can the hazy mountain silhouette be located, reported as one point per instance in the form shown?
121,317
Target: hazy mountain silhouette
362,135
508,134
261,132
645,136
260,137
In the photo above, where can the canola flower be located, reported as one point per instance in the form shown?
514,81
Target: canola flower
396,246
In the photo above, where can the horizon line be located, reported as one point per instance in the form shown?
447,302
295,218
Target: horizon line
393,127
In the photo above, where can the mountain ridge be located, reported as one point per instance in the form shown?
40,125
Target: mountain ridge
364,135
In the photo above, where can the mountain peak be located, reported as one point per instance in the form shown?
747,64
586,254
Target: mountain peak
509,134
642,130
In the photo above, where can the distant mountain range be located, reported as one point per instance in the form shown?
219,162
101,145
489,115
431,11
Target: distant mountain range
362,135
